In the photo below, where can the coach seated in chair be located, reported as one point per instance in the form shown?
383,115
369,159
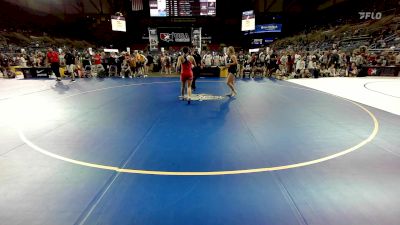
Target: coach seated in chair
258,67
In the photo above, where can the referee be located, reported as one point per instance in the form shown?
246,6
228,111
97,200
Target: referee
196,69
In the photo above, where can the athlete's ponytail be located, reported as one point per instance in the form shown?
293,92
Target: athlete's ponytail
185,52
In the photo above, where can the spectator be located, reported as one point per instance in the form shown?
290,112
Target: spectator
104,62
312,66
70,64
162,63
290,63
167,64
97,58
54,61
61,57
149,64
353,70
359,60
22,61
208,59
217,60
334,59
141,61
125,67
86,60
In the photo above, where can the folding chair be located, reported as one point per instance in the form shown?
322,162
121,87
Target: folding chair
87,71
113,71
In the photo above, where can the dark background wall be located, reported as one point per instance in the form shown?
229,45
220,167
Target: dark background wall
89,19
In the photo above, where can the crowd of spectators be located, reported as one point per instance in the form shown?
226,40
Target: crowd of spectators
283,63
302,64
96,62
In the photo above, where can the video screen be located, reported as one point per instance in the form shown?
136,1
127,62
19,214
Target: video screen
118,23
248,20
184,8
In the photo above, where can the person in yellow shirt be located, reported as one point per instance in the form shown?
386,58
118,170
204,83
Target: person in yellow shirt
133,64
141,60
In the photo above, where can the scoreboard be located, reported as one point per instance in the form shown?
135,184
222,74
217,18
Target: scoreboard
185,8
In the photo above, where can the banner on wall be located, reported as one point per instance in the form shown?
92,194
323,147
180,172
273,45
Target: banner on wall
257,42
196,38
266,28
174,36
268,40
153,39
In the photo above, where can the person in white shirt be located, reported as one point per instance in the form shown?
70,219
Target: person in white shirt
284,59
267,59
398,59
224,59
311,66
216,60
359,60
332,71
207,59
262,56
22,61
299,61
61,56
302,67
324,59
353,58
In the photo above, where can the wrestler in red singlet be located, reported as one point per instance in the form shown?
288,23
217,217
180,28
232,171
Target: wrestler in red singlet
186,71
186,61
